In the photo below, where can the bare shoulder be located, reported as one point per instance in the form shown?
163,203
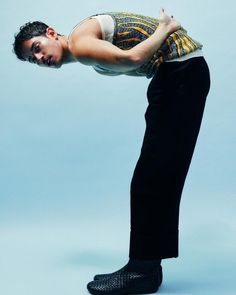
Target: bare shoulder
88,28
87,46
82,37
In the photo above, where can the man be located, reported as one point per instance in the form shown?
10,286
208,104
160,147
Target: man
131,44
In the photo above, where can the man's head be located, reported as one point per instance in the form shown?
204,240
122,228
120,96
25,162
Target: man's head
38,43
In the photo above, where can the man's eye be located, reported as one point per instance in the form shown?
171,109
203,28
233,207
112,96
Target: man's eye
37,48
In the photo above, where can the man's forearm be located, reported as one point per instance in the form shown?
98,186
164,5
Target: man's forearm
142,52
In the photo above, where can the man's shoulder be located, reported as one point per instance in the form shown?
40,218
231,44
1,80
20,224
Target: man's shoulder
87,28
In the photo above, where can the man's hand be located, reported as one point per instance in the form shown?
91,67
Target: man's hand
168,23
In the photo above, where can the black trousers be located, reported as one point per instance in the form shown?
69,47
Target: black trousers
176,96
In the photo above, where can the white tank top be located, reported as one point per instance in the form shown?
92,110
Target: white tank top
107,27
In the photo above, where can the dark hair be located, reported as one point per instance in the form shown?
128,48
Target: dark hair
28,31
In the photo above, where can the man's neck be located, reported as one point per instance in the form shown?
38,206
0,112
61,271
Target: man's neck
68,57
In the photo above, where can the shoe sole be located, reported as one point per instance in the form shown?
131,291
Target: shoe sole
125,292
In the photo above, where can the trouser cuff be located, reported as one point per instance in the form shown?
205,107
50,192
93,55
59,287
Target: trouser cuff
158,247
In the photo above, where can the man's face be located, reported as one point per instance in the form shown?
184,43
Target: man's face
46,51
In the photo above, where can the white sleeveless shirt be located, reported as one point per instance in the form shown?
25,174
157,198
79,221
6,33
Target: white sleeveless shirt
107,25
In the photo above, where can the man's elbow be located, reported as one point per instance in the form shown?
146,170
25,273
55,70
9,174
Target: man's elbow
132,60
136,60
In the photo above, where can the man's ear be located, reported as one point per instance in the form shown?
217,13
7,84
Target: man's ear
51,33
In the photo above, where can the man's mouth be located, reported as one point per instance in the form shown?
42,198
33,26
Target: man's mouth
49,61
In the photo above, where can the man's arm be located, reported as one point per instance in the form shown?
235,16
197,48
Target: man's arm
90,50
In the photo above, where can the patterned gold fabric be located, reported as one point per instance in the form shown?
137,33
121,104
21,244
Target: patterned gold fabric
131,29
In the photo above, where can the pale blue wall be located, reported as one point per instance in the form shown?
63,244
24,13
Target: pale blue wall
70,138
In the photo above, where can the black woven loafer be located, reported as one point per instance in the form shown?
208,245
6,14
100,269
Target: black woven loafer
104,276
125,282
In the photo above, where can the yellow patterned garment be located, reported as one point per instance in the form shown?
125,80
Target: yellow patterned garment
131,29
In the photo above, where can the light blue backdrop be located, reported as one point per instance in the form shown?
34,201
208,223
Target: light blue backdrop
69,141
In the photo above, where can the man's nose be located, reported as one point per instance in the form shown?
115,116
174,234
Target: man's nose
39,57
